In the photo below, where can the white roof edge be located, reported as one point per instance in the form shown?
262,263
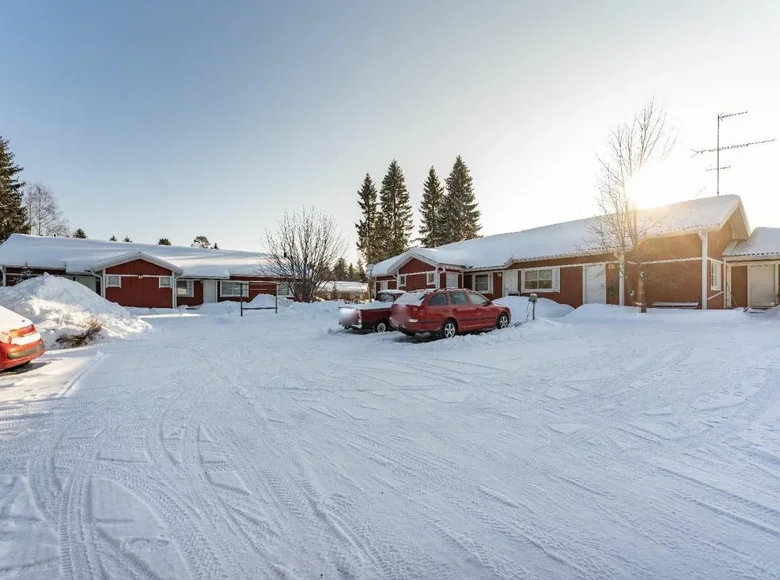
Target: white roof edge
130,256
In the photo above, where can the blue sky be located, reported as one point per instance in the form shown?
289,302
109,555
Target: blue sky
191,117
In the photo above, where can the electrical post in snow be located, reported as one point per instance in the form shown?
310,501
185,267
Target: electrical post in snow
718,148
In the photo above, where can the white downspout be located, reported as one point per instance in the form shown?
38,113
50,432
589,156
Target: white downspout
727,295
704,270
173,289
2,268
621,280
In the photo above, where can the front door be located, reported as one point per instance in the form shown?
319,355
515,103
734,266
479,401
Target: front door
209,291
595,284
510,283
762,286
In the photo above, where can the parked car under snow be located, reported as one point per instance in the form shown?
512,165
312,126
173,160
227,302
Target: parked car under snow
374,315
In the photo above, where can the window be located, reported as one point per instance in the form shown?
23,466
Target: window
386,297
543,280
184,288
113,281
438,300
430,278
478,299
715,276
452,280
482,282
165,281
284,289
401,280
459,298
234,289
383,285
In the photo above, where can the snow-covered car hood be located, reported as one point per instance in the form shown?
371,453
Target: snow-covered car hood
10,320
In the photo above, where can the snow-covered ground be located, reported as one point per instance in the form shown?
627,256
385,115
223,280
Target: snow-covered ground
274,446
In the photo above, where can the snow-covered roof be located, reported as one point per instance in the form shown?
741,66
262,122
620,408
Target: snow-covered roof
77,256
566,239
344,286
762,243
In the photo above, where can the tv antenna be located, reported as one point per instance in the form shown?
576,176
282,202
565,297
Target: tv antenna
718,148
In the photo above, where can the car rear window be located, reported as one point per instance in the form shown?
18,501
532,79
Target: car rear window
413,298
459,298
438,300
386,297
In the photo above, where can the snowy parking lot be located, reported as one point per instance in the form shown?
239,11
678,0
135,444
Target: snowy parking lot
598,445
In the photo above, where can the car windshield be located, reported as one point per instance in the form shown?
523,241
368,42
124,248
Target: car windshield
414,298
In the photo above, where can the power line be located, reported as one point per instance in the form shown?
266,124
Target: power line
718,148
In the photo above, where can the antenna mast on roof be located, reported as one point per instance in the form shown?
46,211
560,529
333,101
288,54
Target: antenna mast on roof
718,148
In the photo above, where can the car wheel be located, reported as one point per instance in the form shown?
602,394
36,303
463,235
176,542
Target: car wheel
503,321
381,326
449,329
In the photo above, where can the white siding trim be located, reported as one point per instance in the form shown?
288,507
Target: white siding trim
727,296
705,270
621,280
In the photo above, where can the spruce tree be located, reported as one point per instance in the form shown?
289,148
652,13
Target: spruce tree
395,218
13,217
367,227
460,212
112,239
361,271
431,211
127,239
352,273
340,270
163,242
80,234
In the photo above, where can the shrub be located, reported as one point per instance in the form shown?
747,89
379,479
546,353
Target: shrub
92,330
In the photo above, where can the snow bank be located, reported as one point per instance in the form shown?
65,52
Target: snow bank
268,301
600,313
60,306
545,308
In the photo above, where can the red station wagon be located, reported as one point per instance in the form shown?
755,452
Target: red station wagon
19,341
446,313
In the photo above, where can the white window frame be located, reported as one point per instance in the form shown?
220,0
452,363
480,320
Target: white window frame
116,277
489,289
716,276
286,285
430,278
384,285
447,280
168,282
190,288
555,276
242,293
401,280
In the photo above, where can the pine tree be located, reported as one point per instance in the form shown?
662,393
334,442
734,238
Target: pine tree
361,271
201,242
351,273
368,236
215,246
163,242
395,218
127,239
460,212
431,211
112,239
13,217
340,270
80,234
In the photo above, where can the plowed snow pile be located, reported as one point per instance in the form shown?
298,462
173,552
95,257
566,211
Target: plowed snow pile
60,306
545,308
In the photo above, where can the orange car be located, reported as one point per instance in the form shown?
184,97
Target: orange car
19,341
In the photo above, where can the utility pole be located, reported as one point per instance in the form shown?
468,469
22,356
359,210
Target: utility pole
718,148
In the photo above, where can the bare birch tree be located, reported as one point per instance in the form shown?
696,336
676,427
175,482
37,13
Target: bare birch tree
619,229
43,211
304,249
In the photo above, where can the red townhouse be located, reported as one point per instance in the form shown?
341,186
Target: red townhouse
142,275
698,254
